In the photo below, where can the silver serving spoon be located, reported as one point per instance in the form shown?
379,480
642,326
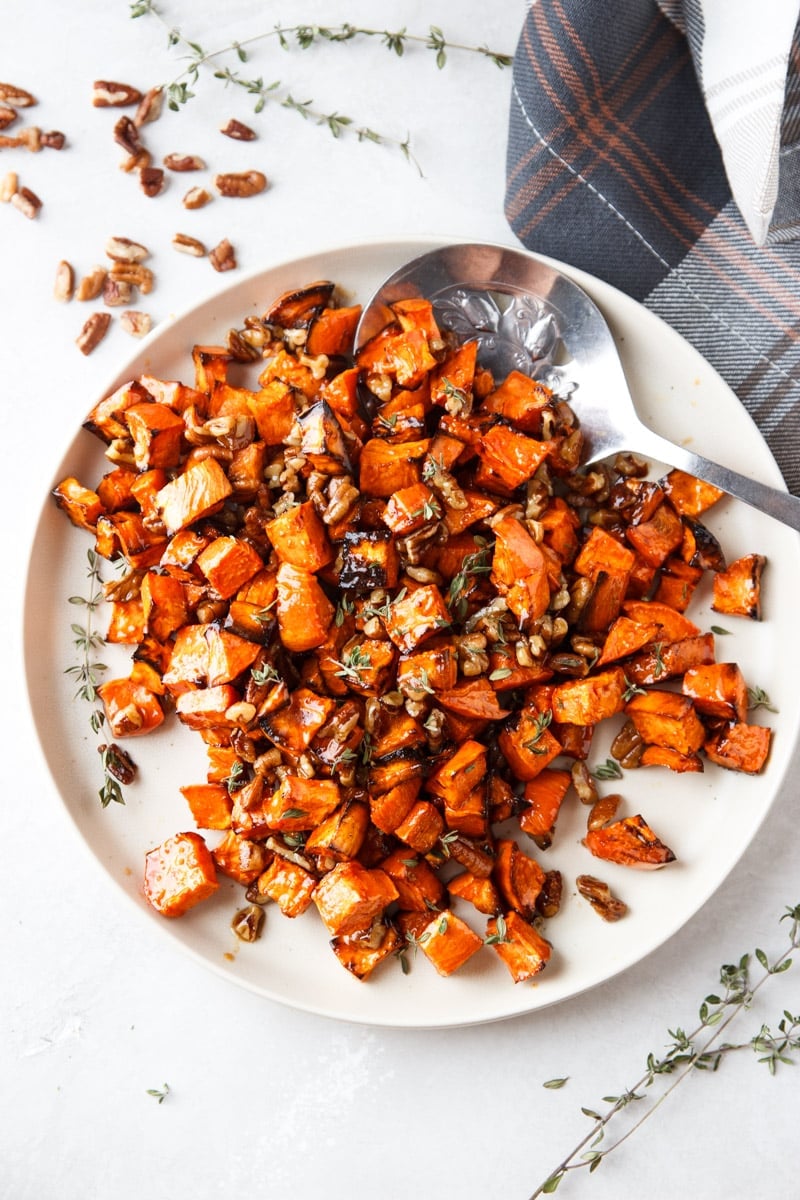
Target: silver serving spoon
525,315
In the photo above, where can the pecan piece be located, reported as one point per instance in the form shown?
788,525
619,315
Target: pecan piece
64,285
136,274
53,139
184,162
196,197
150,106
188,245
238,131
241,183
600,897
137,324
9,185
122,249
7,116
116,292
93,332
152,181
91,285
136,162
16,97
27,202
107,93
223,257
126,135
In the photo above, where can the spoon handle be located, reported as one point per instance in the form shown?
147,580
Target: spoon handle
783,506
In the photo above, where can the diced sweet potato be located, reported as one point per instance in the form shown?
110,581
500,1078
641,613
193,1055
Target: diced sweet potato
81,504
689,496
478,891
179,874
228,563
717,690
294,726
665,660
157,434
304,611
528,744
332,332
740,747
361,954
370,560
422,827
519,400
419,888
448,942
206,708
298,803
132,710
737,591
164,606
626,637
240,858
196,492
390,809
656,539
674,625
667,719
387,468
544,796
472,698
455,374
410,508
340,835
587,701
417,617
665,756
511,455
521,947
350,897
602,552
288,884
298,536
519,878
629,842
210,804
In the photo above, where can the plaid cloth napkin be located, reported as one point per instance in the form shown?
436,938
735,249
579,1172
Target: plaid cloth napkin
657,146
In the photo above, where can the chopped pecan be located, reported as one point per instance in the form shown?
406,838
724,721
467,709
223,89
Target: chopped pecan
152,181
136,274
64,285
126,135
93,332
223,257
91,285
116,292
137,324
9,185
184,162
122,249
16,97
107,93
241,183
196,197
136,162
53,139
7,116
9,141
27,202
150,106
600,897
188,245
238,131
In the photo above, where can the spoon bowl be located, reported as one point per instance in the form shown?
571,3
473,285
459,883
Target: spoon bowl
529,316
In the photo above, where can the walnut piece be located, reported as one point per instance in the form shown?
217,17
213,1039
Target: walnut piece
93,332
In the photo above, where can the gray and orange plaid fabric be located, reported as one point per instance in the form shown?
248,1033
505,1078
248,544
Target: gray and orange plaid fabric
642,154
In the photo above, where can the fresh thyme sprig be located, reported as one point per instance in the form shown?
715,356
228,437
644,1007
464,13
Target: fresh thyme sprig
700,1050
87,673
179,91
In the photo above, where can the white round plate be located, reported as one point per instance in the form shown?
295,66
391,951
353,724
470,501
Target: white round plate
707,819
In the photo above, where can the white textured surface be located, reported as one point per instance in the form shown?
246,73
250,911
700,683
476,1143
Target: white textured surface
95,1010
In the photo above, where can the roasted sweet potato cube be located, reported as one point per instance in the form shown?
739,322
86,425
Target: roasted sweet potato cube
298,803
665,660
350,897
739,746
332,331
370,560
114,489
417,616
528,744
240,858
656,539
737,590
518,877
386,467
561,524
210,804
603,552
478,891
434,666
519,400
164,607
478,507
474,699
676,583
516,555
521,947
405,355
511,455
665,756
605,601
689,496
422,827
416,313
297,308
227,563
197,492
455,373
126,622
717,690
295,726
299,537
544,796
411,508
206,708
419,888
287,368
131,708
588,701
456,776
361,954
448,942
674,625
392,771
179,874
105,420
389,809
629,842
340,835
288,884
667,719
206,654
81,504
304,611
157,434
626,637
